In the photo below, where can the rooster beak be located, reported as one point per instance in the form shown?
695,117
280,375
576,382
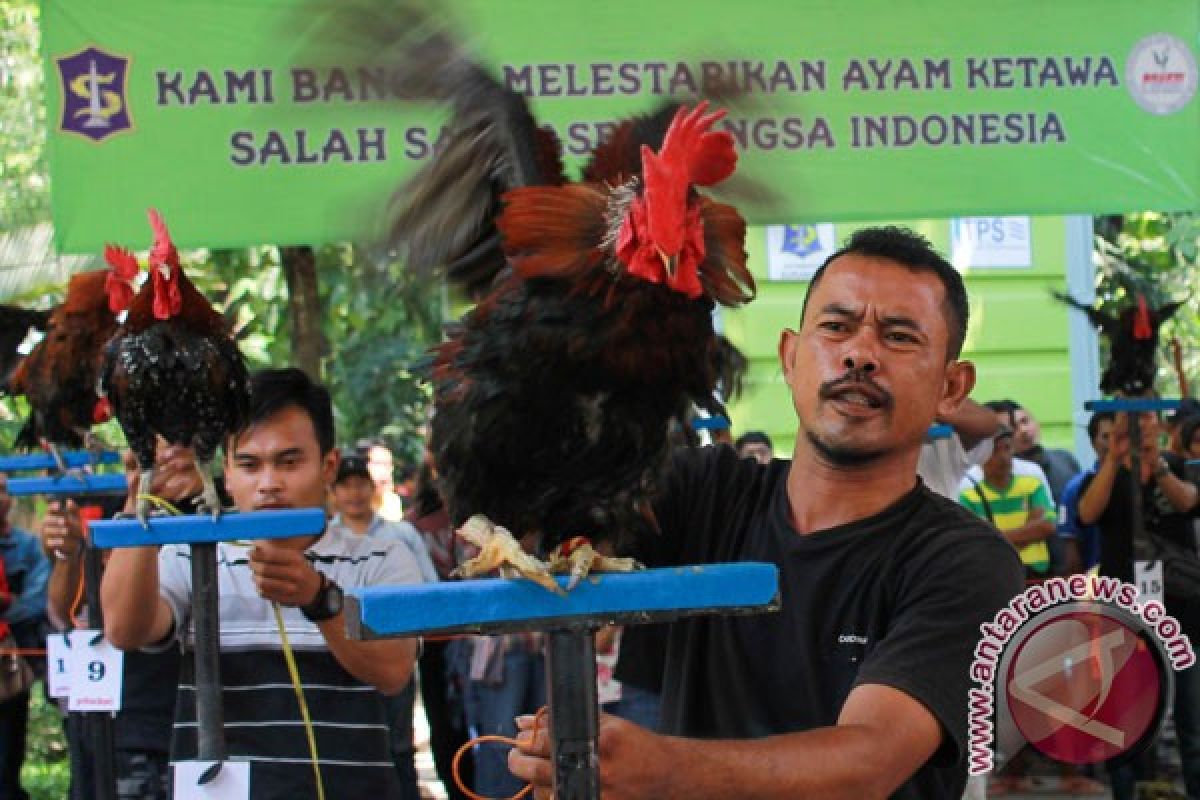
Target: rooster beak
668,262
165,271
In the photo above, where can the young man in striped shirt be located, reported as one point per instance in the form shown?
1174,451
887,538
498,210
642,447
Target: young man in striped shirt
1018,505
284,458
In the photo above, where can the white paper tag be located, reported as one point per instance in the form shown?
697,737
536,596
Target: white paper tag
58,666
231,783
96,673
1148,575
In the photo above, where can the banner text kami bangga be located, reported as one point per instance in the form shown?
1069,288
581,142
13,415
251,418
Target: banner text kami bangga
367,84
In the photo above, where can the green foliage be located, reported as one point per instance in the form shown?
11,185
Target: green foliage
1159,254
47,770
24,192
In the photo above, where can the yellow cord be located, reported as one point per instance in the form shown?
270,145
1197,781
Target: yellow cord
161,503
290,657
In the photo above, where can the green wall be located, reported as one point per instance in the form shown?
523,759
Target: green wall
1017,337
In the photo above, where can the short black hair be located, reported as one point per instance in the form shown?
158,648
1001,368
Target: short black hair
752,437
352,465
913,251
1093,426
273,390
1189,430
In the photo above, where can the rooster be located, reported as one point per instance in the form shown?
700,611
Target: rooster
553,396
1133,342
172,370
59,375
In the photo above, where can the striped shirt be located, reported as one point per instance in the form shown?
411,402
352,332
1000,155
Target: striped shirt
1010,509
262,717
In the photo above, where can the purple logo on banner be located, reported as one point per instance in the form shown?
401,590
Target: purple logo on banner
94,94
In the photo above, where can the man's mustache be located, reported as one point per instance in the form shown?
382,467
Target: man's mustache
855,377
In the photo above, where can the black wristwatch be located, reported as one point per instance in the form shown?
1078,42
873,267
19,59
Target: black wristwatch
327,604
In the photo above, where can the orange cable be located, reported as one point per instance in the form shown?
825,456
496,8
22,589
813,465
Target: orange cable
454,765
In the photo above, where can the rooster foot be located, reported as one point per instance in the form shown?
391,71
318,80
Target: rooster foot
498,550
210,499
578,558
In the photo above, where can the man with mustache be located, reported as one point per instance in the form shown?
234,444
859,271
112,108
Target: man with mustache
858,687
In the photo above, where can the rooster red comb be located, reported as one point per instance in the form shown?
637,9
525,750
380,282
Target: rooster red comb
163,251
692,150
118,284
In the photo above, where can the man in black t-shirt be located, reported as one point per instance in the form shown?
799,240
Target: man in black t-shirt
858,686
1169,503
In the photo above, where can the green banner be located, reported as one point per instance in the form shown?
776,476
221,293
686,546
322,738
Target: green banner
217,112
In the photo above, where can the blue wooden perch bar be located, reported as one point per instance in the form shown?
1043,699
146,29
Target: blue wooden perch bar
1132,404
192,529
570,622
501,606
72,458
69,485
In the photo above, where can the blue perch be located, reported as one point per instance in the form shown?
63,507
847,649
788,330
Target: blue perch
69,485
72,458
506,606
1132,404
192,529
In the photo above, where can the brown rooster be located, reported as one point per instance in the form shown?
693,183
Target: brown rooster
172,370
59,375
554,395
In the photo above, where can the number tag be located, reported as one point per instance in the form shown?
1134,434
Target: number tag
97,669
58,665
232,782
1148,575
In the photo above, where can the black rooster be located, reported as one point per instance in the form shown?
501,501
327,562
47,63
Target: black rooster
172,370
554,395
1133,342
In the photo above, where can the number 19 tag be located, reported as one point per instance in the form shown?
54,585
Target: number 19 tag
96,672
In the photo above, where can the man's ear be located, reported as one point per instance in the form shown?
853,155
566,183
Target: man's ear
787,350
329,466
957,386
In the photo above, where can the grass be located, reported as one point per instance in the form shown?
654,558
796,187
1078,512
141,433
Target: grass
46,774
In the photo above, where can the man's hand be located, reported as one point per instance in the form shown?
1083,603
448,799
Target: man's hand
61,530
634,763
283,575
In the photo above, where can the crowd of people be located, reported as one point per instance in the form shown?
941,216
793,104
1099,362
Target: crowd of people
857,687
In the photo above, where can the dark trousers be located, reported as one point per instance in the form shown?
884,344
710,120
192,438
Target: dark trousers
447,719
14,718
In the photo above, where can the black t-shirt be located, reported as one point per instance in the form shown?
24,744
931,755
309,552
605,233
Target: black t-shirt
895,599
1159,516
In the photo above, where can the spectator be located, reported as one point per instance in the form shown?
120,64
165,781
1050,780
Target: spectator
1059,466
379,460
353,491
1018,505
944,462
756,445
26,572
1189,409
1168,501
1082,542
283,457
